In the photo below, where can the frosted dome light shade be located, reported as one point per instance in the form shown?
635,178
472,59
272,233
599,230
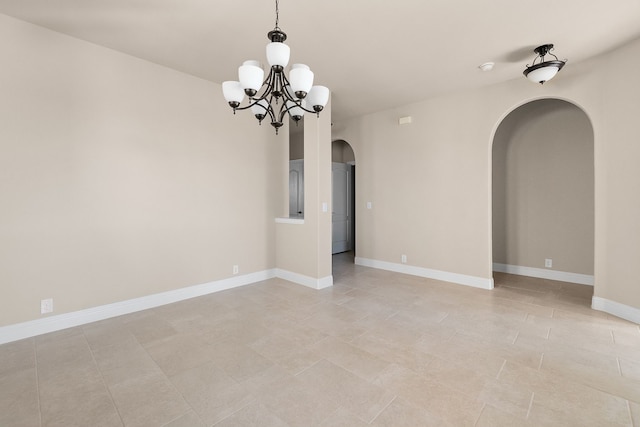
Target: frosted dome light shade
318,95
301,78
251,75
278,54
260,107
542,74
232,91
295,110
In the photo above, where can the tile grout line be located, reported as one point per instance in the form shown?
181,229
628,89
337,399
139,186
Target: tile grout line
619,367
515,338
167,377
391,316
35,357
629,412
484,405
533,394
542,293
383,409
455,334
442,320
179,392
176,418
104,383
501,368
541,360
184,399
227,417
309,367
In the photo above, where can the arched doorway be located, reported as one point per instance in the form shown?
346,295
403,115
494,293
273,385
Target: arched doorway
343,200
543,193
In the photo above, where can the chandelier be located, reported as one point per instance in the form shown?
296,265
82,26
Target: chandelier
543,70
293,96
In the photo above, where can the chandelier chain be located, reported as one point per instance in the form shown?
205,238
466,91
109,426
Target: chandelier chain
277,15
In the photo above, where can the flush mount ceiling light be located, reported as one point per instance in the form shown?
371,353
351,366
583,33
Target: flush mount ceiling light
543,70
487,66
292,96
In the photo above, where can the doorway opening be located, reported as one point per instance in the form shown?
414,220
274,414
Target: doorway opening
296,169
543,205
343,188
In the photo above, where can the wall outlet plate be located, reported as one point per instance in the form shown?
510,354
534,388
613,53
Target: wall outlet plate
46,306
548,263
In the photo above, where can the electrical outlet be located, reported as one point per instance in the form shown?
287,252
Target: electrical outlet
548,263
404,259
236,269
46,306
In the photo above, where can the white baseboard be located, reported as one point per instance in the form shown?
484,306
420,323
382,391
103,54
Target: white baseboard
541,273
460,279
632,314
301,279
58,322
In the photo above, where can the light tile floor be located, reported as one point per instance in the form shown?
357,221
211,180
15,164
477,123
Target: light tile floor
379,349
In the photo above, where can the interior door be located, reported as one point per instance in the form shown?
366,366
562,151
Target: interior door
341,218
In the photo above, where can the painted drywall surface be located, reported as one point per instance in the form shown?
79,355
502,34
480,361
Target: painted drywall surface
421,180
543,194
296,140
619,248
120,178
341,152
430,182
325,192
306,248
40,87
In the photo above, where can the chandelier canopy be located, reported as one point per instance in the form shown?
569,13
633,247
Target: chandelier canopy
543,70
293,96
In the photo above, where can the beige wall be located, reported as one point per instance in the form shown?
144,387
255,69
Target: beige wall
341,152
430,182
617,195
115,177
422,181
305,249
543,195
296,140
120,178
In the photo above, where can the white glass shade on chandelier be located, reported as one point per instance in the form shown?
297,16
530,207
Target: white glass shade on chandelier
293,96
278,54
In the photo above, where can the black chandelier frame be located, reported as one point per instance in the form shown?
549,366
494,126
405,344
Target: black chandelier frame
276,89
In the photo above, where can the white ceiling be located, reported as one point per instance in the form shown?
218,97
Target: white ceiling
372,54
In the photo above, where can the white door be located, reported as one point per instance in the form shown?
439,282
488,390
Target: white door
296,188
341,218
